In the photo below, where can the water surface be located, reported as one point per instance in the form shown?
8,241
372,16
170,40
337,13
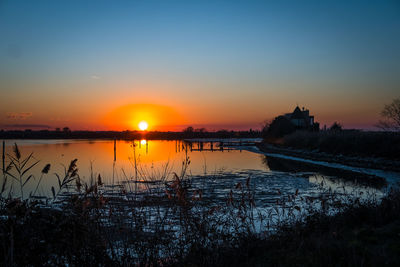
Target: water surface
156,159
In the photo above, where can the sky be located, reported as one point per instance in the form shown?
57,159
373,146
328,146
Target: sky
107,65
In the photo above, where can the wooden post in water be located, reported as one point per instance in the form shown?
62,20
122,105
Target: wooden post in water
136,172
115,158
4,156
115,149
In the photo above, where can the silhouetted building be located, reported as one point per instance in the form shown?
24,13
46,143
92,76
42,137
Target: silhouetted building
302,119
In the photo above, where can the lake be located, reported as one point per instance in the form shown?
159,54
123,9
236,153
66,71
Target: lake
225,168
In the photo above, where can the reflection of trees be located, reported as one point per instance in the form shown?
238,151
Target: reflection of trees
284,165
339,175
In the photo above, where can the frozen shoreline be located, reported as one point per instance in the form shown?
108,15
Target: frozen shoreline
390,176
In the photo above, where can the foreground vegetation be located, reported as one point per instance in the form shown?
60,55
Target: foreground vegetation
365,234
174,222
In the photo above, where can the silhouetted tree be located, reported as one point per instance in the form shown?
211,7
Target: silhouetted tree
391,115
188,130
200,130
265,127
279,127
336,127
66,130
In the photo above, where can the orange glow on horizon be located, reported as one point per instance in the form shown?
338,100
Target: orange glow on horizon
135,116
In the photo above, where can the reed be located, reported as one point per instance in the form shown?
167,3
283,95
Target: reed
19,167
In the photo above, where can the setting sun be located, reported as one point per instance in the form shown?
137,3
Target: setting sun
143,125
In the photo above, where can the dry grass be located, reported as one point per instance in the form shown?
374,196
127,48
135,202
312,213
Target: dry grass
377,144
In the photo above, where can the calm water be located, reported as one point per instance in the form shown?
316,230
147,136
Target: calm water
156,158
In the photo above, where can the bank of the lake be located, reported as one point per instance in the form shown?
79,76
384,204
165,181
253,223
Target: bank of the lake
369,162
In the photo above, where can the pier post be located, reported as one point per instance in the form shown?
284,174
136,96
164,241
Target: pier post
115,149
4,157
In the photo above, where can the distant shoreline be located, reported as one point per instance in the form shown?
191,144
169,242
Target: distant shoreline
125,135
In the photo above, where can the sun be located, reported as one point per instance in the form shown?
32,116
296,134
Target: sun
143,125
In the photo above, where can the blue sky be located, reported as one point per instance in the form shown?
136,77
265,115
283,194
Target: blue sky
341,59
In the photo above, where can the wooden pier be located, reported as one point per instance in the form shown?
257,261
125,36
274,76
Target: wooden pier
219,144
